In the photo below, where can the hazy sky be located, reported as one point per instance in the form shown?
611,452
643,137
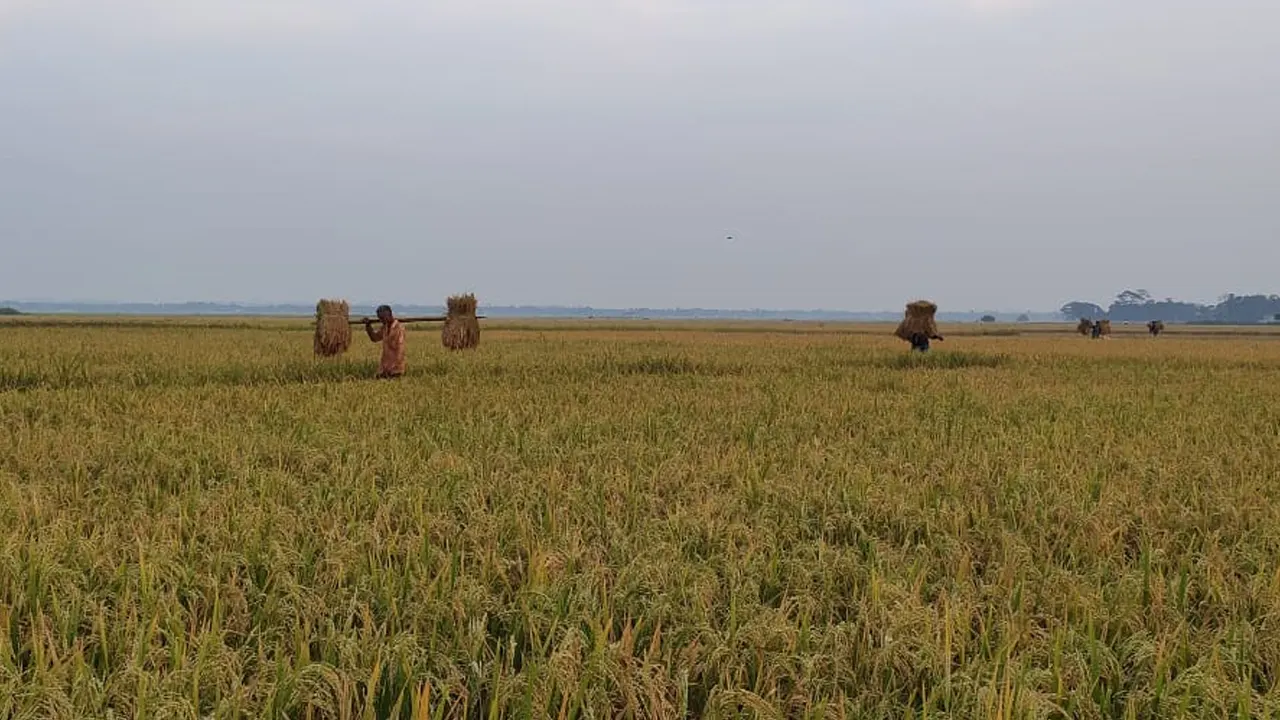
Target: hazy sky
1007,154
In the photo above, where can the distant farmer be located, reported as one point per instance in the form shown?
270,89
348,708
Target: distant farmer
920,341
918,326
391,335
1095,330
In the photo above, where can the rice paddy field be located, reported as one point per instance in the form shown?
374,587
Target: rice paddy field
598,520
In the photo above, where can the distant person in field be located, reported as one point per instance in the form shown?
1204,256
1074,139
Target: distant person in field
1096,330
391,335
920,341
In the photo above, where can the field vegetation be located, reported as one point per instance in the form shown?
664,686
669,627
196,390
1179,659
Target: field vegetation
612,519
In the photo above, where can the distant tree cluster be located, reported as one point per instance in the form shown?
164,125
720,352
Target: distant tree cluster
9,311
1140,306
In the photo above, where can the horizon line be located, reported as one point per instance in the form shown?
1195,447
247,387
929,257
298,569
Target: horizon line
512,306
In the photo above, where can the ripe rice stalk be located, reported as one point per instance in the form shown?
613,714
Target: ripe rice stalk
461,329
333,331
919,318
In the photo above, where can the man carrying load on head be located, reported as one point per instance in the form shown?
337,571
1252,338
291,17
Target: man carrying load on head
918,326
391,335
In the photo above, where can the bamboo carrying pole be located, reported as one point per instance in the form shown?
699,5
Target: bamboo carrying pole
333,325
423,318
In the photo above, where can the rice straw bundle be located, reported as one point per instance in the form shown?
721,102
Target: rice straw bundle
1084,327
333,330
461,329
918,320
1155,327
1104,328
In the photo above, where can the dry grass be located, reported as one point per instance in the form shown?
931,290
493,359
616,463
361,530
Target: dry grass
616,521
918,319
332,328
461,329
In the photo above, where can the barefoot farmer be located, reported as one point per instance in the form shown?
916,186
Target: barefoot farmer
391,335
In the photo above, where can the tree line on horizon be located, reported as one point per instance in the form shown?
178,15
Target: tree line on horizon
1140,306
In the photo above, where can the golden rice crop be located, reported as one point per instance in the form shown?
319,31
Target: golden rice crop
643,520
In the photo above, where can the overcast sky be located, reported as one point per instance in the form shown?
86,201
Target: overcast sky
1009,154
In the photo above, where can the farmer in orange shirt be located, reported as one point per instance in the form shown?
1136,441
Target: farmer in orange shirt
391,335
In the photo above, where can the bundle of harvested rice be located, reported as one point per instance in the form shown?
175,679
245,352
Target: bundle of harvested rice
333,330
1085,326
918,320
1104,327
1155,327
461,329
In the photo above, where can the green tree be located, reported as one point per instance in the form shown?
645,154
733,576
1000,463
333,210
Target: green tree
1077,309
